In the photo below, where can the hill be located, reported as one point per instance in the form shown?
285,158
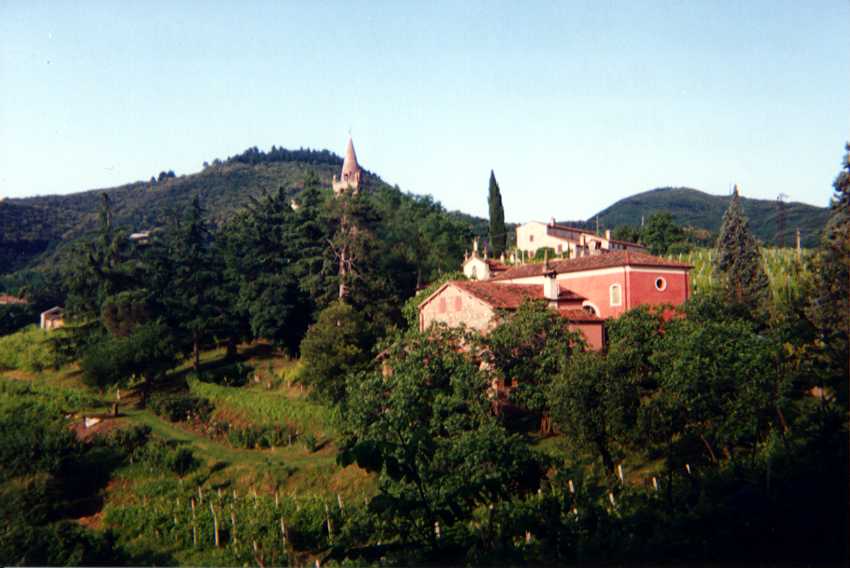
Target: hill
691,207
33,226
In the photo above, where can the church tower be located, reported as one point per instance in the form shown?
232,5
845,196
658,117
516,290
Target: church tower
349,178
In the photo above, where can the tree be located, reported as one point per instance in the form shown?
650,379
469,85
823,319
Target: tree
194,278
628,233
739,260
724,381
661,232
426,427
531,346
593,405
498,231
829,309
267,270
336,345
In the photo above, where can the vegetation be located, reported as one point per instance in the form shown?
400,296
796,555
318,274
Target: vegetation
170,422
498,232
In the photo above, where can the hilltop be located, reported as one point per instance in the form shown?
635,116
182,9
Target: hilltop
34,226
691,207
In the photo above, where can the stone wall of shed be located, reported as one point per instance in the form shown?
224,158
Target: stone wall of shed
454,307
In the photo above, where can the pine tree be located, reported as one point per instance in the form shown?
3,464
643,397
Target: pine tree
498,232
194,281
739,260
830,306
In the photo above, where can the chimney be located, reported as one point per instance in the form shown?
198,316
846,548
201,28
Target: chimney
607,234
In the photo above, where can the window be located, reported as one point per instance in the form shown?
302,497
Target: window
531,238
458,303
474,272
560,249
616,293
660,284
441,306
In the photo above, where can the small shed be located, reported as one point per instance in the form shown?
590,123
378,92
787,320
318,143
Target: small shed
54,318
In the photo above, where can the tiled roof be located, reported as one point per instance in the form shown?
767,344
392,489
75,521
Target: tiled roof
502,296
593,233
496,266
7,299
592,262
511,296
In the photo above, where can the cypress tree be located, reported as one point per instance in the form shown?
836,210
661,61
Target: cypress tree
830,305
498,232
739,260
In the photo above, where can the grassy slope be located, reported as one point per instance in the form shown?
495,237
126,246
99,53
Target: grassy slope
698,209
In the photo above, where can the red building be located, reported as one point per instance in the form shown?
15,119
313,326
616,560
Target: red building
612,283
585,291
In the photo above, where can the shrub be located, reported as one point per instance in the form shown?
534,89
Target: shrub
27,350
181,461
179,407
235,375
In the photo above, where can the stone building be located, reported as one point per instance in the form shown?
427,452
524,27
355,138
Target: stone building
349,177
478,304
570,242
54,318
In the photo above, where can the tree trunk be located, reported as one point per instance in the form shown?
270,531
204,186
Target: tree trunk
708,447
232,350
196,354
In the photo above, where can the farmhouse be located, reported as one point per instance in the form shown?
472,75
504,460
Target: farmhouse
478,305
568,241
585,291
612,283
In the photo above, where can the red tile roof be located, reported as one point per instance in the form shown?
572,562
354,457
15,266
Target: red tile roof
592,262
496,266
511,296
593,233
7,299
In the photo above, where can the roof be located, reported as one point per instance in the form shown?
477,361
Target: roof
349,163
55,310
593,262
511,296
592,233
7,299
496,266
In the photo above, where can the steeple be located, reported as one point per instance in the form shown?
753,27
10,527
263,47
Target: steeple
350,175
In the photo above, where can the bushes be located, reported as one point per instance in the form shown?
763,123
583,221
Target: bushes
260,436
179,407
27,350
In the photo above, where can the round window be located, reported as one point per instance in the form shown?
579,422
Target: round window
660,284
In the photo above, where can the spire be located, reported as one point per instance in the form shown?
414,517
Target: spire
349,163
349,177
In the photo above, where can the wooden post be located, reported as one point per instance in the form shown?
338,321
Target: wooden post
620,473
215,524
339,502
194,526
283,532
233,523
572,487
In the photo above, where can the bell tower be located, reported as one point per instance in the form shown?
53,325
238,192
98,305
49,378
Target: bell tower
349,178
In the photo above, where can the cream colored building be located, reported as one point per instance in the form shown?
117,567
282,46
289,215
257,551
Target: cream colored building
570,242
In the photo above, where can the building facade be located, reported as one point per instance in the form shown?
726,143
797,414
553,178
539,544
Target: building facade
570,242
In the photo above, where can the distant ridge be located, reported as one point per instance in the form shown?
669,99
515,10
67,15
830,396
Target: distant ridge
691,207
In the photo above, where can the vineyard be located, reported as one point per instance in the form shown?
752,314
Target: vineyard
786,269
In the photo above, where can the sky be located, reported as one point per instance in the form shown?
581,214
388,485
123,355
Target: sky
574,105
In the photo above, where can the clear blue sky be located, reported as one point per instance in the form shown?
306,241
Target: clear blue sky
573,104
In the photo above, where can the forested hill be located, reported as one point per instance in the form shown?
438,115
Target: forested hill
691,207
31,226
